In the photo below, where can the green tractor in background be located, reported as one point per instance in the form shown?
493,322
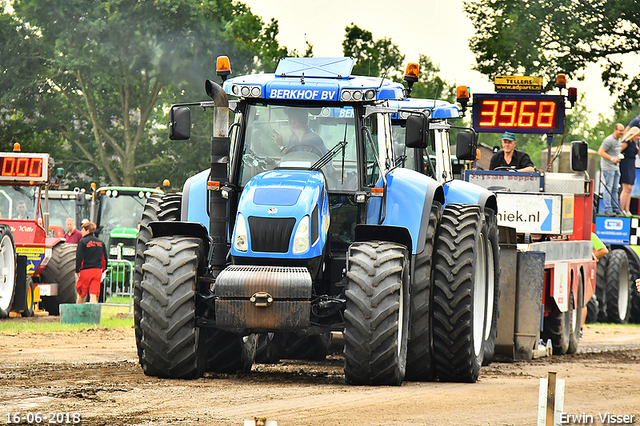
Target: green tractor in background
117,212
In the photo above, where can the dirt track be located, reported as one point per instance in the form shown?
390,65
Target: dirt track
96,374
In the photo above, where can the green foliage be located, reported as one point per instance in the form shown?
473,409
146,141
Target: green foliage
373,58
546,37
92,79
270,50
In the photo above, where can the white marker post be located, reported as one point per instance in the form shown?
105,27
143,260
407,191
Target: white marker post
550,400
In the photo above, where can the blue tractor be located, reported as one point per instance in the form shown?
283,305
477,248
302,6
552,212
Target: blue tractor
305,225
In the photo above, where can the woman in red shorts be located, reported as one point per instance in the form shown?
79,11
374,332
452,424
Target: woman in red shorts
91,261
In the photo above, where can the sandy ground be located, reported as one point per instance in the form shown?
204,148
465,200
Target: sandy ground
95,373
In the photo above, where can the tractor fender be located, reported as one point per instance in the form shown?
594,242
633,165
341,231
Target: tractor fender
187,229
194,200
462,192
409,197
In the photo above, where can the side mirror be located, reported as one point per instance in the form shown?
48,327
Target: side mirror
80,199
579,156
179,123
466,146
417,132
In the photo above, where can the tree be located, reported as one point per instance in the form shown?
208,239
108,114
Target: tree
373,58
105,71
546,37
270,50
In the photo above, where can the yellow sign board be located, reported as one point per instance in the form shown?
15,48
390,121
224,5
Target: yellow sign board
517,83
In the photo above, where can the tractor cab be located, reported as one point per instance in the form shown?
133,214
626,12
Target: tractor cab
117,212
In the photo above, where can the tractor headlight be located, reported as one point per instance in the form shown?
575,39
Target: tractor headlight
301,237
241,241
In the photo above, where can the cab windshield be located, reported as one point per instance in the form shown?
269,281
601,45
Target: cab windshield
320,138
120,211
19,202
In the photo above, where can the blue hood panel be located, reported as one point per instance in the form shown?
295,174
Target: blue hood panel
284,195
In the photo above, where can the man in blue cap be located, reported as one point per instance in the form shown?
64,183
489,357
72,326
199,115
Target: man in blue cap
510,158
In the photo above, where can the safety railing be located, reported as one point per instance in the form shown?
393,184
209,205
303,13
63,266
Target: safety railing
117,287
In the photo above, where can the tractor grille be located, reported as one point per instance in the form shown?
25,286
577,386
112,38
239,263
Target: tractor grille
128,248
270,235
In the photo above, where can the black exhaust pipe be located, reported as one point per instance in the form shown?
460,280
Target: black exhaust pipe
220,143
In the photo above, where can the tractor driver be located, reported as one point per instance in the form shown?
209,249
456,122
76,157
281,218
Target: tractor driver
21,207
509,157
302,137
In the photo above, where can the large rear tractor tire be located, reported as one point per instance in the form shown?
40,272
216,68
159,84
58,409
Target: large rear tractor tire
171,345
419,352
159,207
7,270
62,270
493,288
618,287
459,293
377,313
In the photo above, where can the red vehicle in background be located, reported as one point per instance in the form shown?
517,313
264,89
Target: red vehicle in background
37,273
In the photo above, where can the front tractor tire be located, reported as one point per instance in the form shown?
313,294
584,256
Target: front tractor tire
170,344
61,269
419,353
377,313
459,293
159,207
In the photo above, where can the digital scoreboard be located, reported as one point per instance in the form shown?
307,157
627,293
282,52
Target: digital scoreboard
23,167
518,113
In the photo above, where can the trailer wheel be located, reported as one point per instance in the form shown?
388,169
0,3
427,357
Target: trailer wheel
227,352
377,313
617,287
459,293
576,316
596,307
8,270
269,348
314,348
159,207
559,328
419,352
493,288
61,269
170,343
28,310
